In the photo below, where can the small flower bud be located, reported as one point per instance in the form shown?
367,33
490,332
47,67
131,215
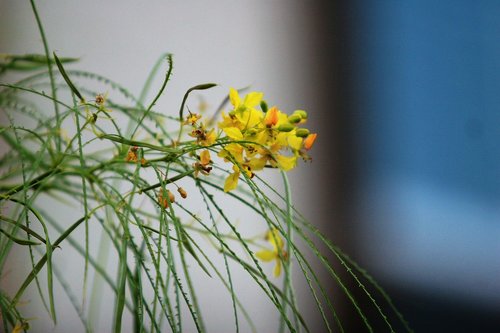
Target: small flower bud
263,106
301,113
92,118
272,117
286,127
302,132
182,192
100,99
294,118
163,201
131,156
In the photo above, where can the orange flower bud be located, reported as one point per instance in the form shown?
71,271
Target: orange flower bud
309,141
272,117
182,192
163,201
131,156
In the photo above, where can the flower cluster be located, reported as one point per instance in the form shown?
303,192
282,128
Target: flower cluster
261,137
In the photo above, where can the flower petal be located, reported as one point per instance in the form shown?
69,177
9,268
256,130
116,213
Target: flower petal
253,99
257,164
210,138
265,255
205,157
231,182
272,117
249,118
286,163
234,97
232,151
273,237
294,142
233,132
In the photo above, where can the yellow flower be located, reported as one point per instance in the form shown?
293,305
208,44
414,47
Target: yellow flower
244,115
278,130
275,159
232,180
251,100
203,137
209,138
294,141
192,119
203,165
273,237
230,121
251,118
233,133
205,157
286,163
232,150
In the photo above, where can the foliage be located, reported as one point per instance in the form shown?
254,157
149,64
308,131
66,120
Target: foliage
69,145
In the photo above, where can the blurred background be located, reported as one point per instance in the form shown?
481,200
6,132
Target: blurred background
418,133
404,95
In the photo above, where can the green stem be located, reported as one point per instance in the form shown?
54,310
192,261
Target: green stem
288,263
167,77
33,182
51,74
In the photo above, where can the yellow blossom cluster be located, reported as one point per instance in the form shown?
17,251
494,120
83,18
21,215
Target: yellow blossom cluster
261,137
